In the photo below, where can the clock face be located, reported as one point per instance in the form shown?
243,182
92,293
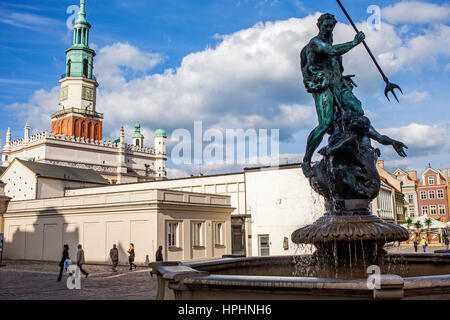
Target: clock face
64,93
88,94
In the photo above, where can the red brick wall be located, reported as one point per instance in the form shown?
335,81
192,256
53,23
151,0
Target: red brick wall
424,186
78,127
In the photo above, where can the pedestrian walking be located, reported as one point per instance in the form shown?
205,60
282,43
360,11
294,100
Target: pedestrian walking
65,256
159,255
446,242
424,244
131,257
114,255
80,260
416,244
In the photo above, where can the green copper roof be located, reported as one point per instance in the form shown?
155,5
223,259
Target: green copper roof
137,131
160,133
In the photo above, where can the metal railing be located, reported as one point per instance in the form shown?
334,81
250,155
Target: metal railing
64,75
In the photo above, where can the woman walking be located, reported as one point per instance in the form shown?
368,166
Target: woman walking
131,257
424,244
65,256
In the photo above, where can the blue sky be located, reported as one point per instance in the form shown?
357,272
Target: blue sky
230,64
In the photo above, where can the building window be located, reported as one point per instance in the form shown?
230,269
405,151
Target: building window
89,131
411,211
172,234
424,210
431,194
197,236
431,180
440,194
442,210
218,234
423,195
85,68
433,211
410,198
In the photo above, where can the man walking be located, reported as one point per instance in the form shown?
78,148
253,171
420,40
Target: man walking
446,242
80,260
416,244
114,255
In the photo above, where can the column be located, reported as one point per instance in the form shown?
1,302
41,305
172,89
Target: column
82,35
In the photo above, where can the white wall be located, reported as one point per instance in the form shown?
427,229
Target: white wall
231,185
280,201
37,230
21,182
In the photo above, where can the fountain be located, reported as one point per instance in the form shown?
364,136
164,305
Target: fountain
350,261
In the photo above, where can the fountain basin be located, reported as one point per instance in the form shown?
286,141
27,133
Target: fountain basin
403,276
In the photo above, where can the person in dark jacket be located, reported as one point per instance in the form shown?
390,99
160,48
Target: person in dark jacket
416,244
159,255
114,255
81,260
132,256
65,256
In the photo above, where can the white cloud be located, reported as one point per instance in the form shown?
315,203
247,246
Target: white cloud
115,61
38,109
417,96
251,79
421,139
416,12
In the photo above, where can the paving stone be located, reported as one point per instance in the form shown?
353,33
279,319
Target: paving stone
25,280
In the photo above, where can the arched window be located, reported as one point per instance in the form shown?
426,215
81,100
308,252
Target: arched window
77,128
69,65
85,68
137,142
96,135
64,127
89,131
83,129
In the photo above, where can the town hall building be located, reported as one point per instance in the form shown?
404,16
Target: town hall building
76,136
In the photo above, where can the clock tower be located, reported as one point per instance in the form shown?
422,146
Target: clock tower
77,115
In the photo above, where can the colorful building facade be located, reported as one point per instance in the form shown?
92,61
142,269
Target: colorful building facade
433,195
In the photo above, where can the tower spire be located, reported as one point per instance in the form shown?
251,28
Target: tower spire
82,13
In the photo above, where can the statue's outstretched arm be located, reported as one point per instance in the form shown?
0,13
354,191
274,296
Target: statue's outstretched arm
385,140
339,49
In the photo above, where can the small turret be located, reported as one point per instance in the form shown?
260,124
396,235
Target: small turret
138,137
26,132
161,151
8,137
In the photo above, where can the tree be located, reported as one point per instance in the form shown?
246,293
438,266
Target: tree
409,222
428,223
418,225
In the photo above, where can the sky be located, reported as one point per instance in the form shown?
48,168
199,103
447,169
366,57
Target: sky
230,64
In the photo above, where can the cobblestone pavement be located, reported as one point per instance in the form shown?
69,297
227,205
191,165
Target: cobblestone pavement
24,280
27,280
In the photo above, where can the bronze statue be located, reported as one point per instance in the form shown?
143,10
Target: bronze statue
322,69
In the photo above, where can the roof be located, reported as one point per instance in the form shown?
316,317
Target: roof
160,133
45,170
137,131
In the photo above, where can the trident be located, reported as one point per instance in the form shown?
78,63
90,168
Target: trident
389,86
